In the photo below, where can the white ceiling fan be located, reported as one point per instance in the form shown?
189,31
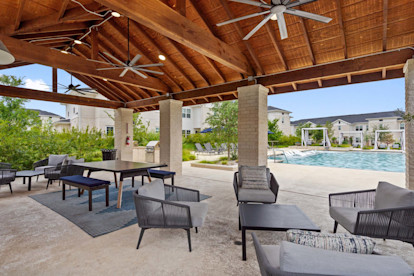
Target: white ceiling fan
129,65
277,9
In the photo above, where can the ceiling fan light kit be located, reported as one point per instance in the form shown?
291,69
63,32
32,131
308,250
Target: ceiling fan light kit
5,56
276,11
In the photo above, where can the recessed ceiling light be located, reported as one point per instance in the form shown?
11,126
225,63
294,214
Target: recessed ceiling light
64,52
115,14
77,41
104,79
161,57
274,17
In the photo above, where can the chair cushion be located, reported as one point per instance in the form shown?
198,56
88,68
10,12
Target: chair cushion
161,172
42,168
343,242
54,159
87,181
345,216
198,211
250,195
154,189
296,258
254,177
391,196
272,253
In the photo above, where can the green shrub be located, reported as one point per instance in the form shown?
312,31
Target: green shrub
288,140
223,158
207,162
224,162
187,156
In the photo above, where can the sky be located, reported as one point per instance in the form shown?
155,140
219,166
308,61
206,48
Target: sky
368,97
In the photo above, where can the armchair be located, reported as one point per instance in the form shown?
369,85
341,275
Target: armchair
386,212
164,206
7,176
55,173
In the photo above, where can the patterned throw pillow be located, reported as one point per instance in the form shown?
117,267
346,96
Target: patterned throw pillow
342,242
253,177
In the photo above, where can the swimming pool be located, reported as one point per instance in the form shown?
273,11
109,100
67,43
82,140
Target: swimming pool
377,161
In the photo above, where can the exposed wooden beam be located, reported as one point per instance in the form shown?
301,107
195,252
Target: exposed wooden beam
295,87
48,35
278,48
162,19
60,27
37,54
19,14
259,68
384,24
308,44
14,64
54,80
94,84
341,27
94,44
349,78
320,83
24,93
384,73
62,9
180,7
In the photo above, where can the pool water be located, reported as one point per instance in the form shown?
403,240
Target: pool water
377,161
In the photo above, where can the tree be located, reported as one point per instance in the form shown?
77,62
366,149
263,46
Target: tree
317,135
224,120
330,126
274,127
299,128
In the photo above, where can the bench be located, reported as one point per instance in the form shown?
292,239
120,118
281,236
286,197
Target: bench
86,183
161,175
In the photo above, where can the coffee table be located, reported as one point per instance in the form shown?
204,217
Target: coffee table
272,217
28,174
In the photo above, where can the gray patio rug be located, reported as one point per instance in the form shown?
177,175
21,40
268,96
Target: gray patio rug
101,220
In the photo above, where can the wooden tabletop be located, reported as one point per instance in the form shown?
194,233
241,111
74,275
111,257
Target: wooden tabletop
119,166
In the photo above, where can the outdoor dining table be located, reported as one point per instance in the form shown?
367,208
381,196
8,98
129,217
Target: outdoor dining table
124,168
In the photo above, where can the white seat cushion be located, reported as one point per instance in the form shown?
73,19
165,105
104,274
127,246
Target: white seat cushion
250,195
345,216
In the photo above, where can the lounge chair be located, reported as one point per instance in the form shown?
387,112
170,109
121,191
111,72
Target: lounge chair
5,165
200,148
52,161
7,176
209,148
290,259
386,212
166,206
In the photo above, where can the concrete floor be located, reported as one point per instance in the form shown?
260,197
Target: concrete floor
36,240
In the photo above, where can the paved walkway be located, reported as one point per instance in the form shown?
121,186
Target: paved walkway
35,240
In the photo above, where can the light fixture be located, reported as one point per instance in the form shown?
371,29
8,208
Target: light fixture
64,52
5,56
104,79
274,17
115,14
161,57
77,41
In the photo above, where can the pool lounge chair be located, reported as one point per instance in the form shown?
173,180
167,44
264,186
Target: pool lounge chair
199,148
209,148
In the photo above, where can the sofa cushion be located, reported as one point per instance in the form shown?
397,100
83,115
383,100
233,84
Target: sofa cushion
391,196
154,189
55,160
272,253
87,181
296,258
343,242
254,177
345,216
198,211
250,195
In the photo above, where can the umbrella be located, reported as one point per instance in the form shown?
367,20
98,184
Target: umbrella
207,130
270,132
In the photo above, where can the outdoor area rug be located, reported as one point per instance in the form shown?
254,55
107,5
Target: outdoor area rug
101,220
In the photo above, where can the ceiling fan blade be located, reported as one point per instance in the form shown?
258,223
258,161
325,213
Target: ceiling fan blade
282,26
299,2
66,91
123,72
276,2
148,65
109,68
258,26
114,58
150,71
134,60
241,18
138,73
285,2
253,3
309,15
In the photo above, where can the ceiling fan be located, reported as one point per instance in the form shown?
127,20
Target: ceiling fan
75,88
129,65
276,11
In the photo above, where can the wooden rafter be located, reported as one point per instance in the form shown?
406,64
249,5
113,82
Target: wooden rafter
341,27
60,27
276,45
14,64
38,54
180,7
48,35
306,36
162,19
54,80
62,9
94,84
24,93
19,14
94,44
384,24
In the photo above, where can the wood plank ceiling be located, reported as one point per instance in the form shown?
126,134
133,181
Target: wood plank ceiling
210,65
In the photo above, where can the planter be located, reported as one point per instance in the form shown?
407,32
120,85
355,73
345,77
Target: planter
215,166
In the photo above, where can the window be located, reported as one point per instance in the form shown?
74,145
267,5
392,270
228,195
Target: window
380,120
283,113
110,130
183,132
367,127
188,132
402,126
73,110
339,122
50,117
186,113
357,139
339,127
380,125
157,129
359,128
283,120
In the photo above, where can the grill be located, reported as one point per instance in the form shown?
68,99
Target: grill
150,147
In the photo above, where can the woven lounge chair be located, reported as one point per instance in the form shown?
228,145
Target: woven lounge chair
7,176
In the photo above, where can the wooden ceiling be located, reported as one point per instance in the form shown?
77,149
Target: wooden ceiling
206,63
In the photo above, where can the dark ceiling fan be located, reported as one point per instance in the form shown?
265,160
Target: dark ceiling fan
76,88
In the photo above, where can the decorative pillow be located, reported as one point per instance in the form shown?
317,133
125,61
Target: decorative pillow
54,159
343,242
154,189
254,177
391,196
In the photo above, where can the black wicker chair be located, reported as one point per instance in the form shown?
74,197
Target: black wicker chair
356,212
5,165
7,176
59,171
181,208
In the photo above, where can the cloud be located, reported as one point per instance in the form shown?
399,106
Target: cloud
36,84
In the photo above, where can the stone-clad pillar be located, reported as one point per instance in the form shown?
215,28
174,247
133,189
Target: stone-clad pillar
253,127
171,139
124,129
409,126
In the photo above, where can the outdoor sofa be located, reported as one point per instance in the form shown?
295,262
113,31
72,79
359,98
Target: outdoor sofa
288,259
386,212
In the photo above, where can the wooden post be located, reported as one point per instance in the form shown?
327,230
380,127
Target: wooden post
54,77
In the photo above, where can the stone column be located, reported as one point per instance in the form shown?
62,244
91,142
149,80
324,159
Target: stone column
171,139
409,126
252,129
124,129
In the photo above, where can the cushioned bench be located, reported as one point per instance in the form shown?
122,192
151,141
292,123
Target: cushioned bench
86,183
161,175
